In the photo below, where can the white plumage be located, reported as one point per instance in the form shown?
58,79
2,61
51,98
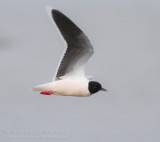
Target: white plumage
66,87
69,79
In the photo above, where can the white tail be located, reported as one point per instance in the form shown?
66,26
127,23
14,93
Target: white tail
43,87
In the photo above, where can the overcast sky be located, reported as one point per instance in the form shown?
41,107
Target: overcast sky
126,38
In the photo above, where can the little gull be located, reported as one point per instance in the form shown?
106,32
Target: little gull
70,79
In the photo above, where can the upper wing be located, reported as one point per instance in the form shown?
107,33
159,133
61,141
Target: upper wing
78,50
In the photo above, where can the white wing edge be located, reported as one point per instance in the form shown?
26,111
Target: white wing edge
49,9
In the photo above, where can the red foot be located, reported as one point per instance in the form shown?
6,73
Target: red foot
47,92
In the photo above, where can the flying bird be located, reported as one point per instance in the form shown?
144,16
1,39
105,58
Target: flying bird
70,78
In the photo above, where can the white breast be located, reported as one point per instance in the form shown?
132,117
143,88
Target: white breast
71,87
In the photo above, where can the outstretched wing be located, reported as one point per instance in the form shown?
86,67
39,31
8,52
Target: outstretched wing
79,48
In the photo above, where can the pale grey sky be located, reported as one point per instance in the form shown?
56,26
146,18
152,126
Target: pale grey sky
126,38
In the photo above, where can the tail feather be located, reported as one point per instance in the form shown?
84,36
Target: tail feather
43,87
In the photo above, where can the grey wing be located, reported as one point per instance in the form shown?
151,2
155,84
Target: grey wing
79,48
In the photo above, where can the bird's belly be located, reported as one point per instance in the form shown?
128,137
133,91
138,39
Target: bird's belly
71,89
68,93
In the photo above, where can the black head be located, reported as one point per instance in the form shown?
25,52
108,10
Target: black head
94,87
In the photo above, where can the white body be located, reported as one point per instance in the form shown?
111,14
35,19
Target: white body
69,78
67,87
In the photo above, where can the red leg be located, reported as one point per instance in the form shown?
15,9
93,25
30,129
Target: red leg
47,92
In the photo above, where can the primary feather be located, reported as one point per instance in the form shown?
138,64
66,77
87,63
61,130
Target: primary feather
79,48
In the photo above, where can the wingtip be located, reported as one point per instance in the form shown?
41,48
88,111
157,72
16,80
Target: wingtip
50,9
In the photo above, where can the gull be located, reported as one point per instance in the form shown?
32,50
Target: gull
70,78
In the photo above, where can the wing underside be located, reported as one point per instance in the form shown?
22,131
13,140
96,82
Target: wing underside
79,48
